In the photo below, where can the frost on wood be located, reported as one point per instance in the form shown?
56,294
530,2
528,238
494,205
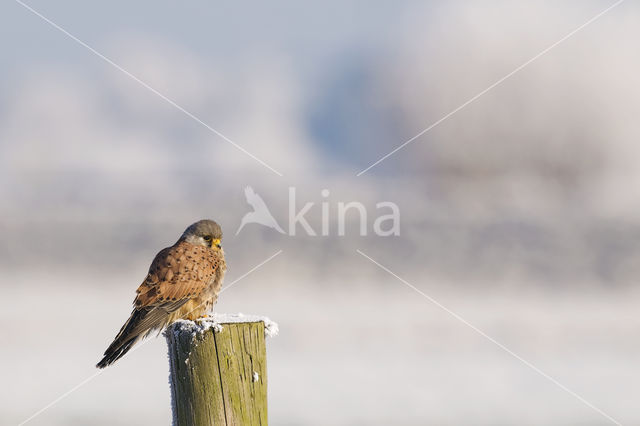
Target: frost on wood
270,327
217,321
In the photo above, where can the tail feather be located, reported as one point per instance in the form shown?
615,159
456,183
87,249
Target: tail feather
111,356
129,334
141,322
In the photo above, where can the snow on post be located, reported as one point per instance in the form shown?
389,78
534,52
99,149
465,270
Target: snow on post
218,370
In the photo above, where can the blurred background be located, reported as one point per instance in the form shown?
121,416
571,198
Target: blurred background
520,213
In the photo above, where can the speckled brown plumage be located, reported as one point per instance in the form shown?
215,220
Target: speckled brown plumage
183,282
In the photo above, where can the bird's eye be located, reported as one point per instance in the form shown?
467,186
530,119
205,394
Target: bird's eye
207,238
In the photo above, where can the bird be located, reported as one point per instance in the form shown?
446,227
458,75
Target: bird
260,213
183,282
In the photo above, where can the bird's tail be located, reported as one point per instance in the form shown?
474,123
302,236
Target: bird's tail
114,353
129,334
141,322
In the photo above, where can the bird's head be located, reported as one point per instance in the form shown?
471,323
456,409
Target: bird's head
205,233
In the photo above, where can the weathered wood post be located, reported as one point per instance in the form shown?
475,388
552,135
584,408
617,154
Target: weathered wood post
219,370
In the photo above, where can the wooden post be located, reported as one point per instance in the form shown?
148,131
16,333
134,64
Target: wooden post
219,370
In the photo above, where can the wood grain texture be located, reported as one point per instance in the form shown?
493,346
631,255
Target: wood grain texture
218,378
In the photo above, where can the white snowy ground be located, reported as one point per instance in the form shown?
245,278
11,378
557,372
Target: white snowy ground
356,353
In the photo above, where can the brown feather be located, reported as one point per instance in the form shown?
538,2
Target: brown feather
183,282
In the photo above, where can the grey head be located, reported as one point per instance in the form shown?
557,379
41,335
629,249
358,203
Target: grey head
203,233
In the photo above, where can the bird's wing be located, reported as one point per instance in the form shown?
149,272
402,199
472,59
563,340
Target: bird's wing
177,274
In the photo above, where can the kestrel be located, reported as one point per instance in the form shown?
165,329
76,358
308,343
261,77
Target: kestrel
183,283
